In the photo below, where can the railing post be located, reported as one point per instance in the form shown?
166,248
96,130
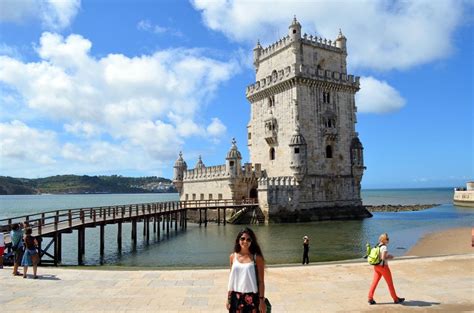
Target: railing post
69,217
82,216
56,221
94,217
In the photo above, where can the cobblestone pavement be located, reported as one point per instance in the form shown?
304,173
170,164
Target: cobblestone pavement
429,284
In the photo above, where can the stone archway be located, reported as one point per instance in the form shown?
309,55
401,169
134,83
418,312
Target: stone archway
253,194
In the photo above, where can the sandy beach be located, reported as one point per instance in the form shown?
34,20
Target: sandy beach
436,283
445,242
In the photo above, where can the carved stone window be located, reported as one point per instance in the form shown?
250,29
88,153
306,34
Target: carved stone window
272,153
271,101
297,150
329,151
326,97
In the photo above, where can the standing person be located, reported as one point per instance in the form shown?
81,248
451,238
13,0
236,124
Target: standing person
305,250
383,269
31,256
16,237
246,291
2,248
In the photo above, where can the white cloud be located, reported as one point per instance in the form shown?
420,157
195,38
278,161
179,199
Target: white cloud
216,128
145,105
20,143
148,26
382,35
54,14
377,97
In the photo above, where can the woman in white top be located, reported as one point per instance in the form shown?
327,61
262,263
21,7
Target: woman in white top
246,292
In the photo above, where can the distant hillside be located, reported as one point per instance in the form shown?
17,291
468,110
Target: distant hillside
62,184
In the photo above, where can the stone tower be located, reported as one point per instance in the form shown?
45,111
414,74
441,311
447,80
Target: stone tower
302,127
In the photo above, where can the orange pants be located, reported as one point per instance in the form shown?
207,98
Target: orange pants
379,271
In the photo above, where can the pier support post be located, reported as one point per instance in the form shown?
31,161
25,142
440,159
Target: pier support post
119,237
200,217
102,238
134,234
218,216
147,221
80,245
205,217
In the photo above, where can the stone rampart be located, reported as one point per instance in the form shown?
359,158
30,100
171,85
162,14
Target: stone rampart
312,72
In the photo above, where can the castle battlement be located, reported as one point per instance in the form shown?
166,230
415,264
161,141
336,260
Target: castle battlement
320,42
286,41
217,171
311,72
220,171
282,181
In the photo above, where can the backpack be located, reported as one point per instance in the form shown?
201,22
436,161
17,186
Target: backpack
374,256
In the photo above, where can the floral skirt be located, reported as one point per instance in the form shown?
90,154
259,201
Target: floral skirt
243,302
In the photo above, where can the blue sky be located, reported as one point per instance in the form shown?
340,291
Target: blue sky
120,87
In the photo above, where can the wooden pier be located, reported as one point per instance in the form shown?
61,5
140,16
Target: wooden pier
168,215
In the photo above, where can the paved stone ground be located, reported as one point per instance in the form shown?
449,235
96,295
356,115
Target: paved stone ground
429,284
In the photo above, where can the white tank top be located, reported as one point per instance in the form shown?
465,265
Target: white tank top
242,277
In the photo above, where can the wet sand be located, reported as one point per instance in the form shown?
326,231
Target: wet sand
445,242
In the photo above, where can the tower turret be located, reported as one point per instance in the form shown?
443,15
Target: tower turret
257,51
294,30
200,165
179,167
233,160
341,41
298,154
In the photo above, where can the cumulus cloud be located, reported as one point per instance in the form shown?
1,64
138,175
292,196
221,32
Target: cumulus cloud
382,35
53,14
21,143
143,105
377,96
216,128
148,26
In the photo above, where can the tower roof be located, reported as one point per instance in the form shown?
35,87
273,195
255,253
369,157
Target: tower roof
295,23
180,161
340,36
199,163
297,139
234,153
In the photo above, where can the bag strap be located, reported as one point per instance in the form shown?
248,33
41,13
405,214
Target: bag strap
256,273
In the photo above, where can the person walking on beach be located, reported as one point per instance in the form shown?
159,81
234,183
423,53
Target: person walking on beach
246,291
2,249
31,256
383,269
16,237
305,250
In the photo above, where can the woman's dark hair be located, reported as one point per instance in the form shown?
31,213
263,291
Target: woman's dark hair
28,231
15,226
254,247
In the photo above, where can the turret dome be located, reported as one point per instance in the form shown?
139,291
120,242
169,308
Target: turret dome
180,161
199,163
234,153
297,139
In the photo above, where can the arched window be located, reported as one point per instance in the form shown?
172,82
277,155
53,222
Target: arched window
272,153
328,151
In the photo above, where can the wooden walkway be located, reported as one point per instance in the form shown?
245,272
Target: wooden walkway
53,224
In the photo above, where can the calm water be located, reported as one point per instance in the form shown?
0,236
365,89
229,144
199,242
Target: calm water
210,247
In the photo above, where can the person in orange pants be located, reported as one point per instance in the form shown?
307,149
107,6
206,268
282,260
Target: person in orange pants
383,270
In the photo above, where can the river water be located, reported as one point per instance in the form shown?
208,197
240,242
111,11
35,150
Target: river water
281,243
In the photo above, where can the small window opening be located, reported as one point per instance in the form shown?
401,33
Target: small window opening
297,150
250,136
231,163
329,152
271,101
294,31
272,153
